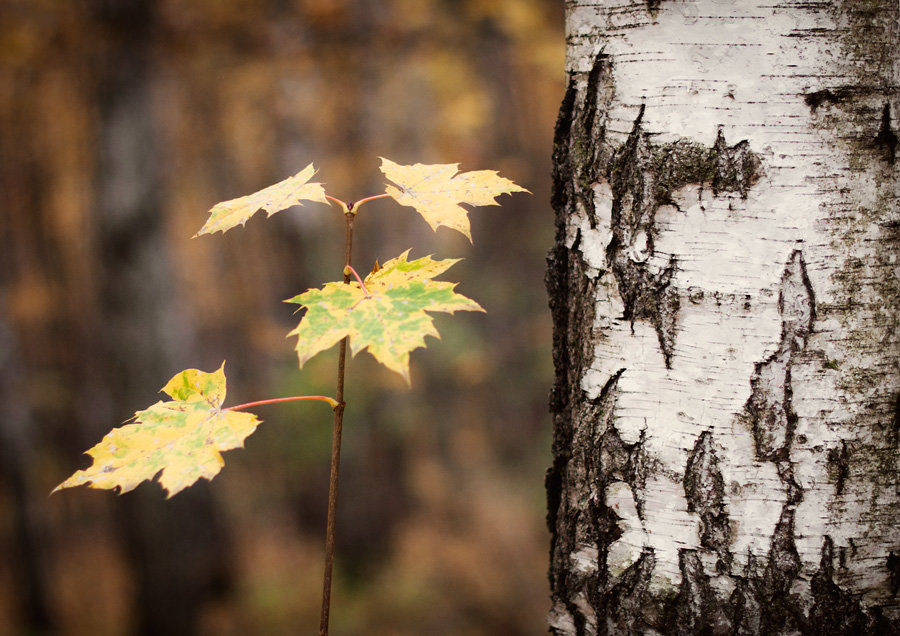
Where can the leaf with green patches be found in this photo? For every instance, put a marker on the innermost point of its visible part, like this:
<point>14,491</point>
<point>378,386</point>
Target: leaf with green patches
<point>179,440</point>
<point>436,191</point>
<point>387,317</point>
<point>284,194</point>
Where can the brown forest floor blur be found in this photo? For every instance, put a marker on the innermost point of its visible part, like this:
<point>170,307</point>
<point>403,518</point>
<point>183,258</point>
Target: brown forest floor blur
<point>121,123</point>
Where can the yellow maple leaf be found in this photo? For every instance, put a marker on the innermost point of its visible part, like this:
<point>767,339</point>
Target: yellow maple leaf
<point>284,194</point>
<point>387,317</point>
<point>436,191</point>
<point>180,440</point>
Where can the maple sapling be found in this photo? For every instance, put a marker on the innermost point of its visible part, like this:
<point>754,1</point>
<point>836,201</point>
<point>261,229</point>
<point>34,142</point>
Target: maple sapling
<point>179,441</point>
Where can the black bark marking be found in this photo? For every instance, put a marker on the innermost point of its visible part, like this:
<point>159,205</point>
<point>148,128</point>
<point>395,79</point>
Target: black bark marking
<point>784,560</point>
<point>625,601</point>
<point>845,94</point>
<point>572,353</point>
<point>609,459</point>
<point>601,461</point>
<point>796,301</point>
<point>588,151</point>
<point>879,624</point>
<point>596,457</point>
<point>704,489</point>
<point>785,469</point>
<point>833,611</point>
<point>736,166</point>
<point>582,470</point>
<point>893,566</point>
<point>561,188</point>
<point>829,96</point>
<point>644,176</point>
<point>886,139</point>
<point>781,569</point>
<point>769,407</point>
<point>744,605</point>
<point>773,421</point>
<point>695,609</point>
<point>838,466</point>
<point>636,471</point>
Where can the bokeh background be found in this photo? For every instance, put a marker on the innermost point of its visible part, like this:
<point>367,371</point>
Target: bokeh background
<point>121,123</point>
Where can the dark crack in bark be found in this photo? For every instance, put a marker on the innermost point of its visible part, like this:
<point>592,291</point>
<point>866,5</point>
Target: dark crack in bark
<point>744,604</point>
<point>597,457</point>
<point>834,611</point>
<point>838,466</point>
<point>893,566</point>
<point>629,607</point>
<point>594,465</point>
<point>605,458</point>
<point>620,461</point>
<point>644,176</point>
<point>588,151</point>
<point>704,489</point>
<point>769,407</point>
<point>695,609</point>
<point>834,95</point>
<point>591,455</point>
<point>886,139</point>
<point>736,166</point>
<point>773,421</point>
<point>572,353</point>
<point>782,567</point>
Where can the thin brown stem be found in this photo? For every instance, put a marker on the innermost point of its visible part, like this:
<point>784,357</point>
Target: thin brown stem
<point>296,398</point>
<point>336,448</point>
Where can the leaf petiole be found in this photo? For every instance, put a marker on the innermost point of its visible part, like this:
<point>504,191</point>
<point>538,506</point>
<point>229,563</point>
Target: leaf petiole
<point>344,207</point>
<point>349,270</point>
<point>356,204</point>
<point>353,206</point>
<point>322,398</point>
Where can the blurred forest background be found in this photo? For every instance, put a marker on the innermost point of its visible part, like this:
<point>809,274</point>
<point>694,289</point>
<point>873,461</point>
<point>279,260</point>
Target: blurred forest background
<point>121,123</point>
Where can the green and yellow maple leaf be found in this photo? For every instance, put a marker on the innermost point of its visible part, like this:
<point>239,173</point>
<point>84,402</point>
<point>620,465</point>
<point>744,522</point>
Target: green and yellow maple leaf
<point>284,194</point>
<point>436,191</point>
<point>179,440</point>
<point>387,317</point>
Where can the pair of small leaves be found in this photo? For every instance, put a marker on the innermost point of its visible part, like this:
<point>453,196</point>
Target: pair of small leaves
<point>435,191</point>
<point>180,440</point>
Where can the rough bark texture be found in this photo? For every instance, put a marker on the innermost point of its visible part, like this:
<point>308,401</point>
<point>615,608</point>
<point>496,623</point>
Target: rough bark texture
<point>725,299</point>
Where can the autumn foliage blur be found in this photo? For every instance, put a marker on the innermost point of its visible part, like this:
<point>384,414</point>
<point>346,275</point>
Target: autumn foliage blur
<point>121,123</point>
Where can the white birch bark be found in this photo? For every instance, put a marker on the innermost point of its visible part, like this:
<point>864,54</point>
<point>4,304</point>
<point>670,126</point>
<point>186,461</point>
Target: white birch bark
<point>725,296</point>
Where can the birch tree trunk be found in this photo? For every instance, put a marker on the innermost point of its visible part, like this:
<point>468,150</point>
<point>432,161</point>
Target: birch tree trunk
<point>725,295</point>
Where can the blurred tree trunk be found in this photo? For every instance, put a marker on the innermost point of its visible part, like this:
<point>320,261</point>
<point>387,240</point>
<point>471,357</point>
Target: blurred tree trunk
<point>725,295</point>
<point>17,453</point>
<point>177,547</point>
